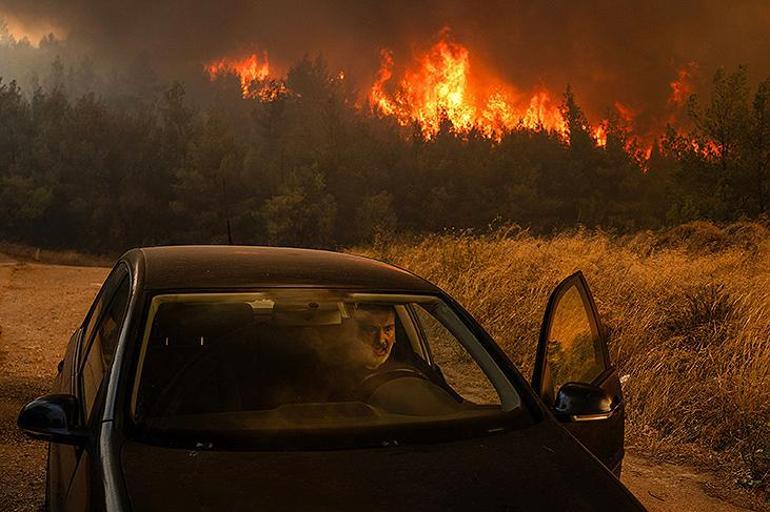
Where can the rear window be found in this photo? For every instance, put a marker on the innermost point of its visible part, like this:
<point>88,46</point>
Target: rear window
<point>311,360</point>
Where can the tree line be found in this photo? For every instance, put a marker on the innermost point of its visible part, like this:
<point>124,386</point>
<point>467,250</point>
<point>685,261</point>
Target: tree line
<point>196,163</point>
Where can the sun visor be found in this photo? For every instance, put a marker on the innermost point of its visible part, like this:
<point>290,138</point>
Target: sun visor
<point>309,313</point>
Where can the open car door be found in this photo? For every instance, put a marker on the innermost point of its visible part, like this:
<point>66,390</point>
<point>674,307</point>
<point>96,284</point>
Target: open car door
<point>574,375</point>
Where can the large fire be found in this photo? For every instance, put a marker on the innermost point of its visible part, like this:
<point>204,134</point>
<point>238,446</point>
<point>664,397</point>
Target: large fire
<point>438,89</point>
<point>441,89</point>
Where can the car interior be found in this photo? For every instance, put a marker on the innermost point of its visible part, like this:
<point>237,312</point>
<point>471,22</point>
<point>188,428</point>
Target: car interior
<point>220,358</point>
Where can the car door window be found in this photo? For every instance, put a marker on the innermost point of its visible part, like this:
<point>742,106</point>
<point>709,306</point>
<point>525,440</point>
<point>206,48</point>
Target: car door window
<point>97,309</point>
<point>101,350</point>
<point>457,366</point>
<point>575,352</point>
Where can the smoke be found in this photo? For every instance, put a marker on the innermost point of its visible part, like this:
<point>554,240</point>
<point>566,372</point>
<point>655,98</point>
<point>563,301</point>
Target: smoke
<point>607,50</point>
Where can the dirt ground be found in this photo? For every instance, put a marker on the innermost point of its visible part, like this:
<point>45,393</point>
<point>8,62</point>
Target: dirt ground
<point>40,306</point>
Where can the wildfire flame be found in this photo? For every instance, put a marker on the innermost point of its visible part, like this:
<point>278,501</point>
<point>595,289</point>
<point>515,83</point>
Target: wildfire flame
<point>600,135</point>
<point>436,90</point>
<point>378,97</point>
<point>625,112</point>
<point>439,87</point>
<point>681,88</point>
<point>543,112</point>
<point>249,70</point>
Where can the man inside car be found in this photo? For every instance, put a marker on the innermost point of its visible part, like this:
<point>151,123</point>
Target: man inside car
<point>375,335</point>
<point>387,379</point>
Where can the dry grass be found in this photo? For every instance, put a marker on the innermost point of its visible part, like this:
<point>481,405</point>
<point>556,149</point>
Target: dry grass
<point>688,311</point>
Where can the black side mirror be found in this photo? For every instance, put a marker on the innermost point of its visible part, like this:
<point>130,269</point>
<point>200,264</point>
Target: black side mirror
<point>54,418</point>
<point>577,401</point>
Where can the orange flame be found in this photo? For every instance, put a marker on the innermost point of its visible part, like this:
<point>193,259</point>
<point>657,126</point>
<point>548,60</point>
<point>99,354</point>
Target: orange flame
<point>543,113</point>
<point>436,90</point>
<point>249,69</point>
<point>600,135</point>
<point>439,88</point>
<point>625,112</point>
<point>681,88</point>
<point>378,97</point>
<point>496,117</point>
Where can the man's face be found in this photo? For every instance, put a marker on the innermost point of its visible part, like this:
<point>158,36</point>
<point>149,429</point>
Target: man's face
<point>376,333</point>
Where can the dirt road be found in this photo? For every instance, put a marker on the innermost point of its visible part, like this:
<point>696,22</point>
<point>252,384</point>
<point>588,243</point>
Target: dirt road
<point>40,306</point>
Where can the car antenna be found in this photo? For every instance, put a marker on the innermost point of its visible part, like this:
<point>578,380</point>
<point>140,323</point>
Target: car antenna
<point>227,211</point>
<point>229,233</point>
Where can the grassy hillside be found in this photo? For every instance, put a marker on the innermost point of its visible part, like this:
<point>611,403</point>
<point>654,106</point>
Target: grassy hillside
<point>688,311</point>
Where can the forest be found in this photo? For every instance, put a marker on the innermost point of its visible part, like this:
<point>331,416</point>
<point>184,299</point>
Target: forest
<point>311,166</point>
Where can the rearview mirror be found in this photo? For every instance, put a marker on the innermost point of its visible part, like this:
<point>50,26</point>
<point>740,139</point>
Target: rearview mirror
<point>54,418</point>
<point>577,401</point>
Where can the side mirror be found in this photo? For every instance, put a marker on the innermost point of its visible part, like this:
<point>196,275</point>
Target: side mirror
<point>577,401</point>
<point>54,418</point>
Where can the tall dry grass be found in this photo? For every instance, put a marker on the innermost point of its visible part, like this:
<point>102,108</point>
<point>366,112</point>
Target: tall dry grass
<point>688,312</point>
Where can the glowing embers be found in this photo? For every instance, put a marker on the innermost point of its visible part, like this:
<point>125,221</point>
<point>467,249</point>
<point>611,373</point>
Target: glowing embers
<point>439,87</point>
<point>253,73</point>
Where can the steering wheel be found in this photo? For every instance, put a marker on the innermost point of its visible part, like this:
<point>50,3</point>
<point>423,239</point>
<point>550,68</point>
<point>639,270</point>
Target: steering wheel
<point>372,382</point>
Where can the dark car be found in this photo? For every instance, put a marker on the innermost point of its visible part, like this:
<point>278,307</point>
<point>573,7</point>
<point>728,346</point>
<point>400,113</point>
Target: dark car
<point>246,378</point>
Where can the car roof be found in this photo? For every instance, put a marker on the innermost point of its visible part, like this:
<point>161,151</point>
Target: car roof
<point>233,267</point>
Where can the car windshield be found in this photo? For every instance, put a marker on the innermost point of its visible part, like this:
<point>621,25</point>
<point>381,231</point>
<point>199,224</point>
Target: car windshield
<point>310,360</point>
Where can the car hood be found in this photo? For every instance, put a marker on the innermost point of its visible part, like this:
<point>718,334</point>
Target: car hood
<point>539,467</point>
